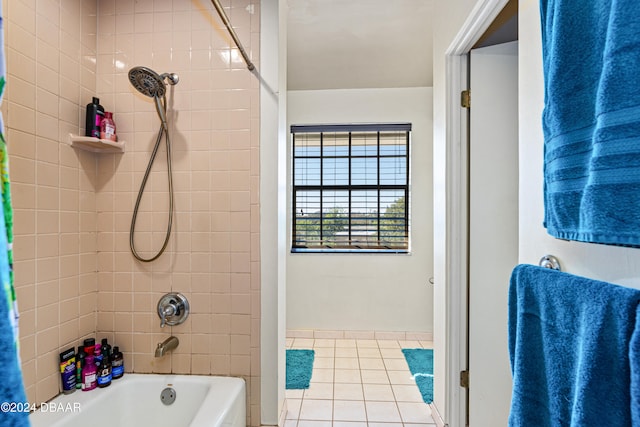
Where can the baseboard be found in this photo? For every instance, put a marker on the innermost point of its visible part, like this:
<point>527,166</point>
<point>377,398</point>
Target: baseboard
<point>361,335</point>
<point>435,414</point>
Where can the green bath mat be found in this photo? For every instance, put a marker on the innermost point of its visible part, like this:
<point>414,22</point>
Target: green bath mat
<point>299,368</point>
<point>420,363</point>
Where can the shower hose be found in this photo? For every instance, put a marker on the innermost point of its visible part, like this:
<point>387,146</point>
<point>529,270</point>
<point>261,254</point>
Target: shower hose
<point>161,108</point>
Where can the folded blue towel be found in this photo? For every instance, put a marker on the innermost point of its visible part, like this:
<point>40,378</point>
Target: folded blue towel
<point>591,120</point>
<point>569,342</point>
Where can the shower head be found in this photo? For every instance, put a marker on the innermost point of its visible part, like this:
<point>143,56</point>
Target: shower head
<point>149,83</point>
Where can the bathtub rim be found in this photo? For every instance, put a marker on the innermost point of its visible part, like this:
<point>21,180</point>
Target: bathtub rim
<point>234,390</point>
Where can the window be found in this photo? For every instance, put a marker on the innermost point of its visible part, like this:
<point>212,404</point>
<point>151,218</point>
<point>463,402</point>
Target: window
<point>351,187</point>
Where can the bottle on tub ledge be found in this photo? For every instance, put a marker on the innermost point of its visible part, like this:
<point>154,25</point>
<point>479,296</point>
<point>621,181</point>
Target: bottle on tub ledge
<point>104,367</point>
<point>89,374</point>
<point>117,364</point>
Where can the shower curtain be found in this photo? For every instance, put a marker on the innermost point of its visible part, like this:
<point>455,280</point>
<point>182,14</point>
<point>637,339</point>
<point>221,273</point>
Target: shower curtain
<point>11,385</point>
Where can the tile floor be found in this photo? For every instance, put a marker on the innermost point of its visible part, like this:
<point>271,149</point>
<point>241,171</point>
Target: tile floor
<point>358,383</point>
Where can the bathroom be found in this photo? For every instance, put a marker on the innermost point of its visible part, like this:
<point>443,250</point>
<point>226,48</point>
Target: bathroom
<point>74,273</point>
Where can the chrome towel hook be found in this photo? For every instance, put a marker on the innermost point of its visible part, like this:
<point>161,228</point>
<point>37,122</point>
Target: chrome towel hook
<point>549,261</point>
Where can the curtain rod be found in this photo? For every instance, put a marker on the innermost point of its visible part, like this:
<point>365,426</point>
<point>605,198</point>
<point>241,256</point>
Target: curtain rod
<point>234,36</point>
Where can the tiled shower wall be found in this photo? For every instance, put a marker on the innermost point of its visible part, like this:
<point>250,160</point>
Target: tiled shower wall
<point>213,255</point>
<point>50,73</point>
<point>75,274</point>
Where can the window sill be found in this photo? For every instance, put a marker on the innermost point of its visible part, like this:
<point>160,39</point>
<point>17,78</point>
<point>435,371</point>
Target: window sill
<point>350,251</point>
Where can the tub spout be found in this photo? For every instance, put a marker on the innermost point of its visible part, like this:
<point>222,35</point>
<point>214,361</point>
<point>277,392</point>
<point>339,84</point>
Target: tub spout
<point>166,346</point>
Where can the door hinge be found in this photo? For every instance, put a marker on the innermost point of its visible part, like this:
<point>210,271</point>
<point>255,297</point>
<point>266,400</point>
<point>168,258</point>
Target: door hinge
<point>464,379</point>
<point>465,99</point>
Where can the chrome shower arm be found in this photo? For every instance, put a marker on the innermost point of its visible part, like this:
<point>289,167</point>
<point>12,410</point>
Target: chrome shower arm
<point>232,33</point>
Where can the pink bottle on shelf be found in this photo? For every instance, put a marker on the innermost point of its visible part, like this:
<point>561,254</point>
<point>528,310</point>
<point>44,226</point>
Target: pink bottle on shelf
<point>108,127</point>
<point>89,374</point>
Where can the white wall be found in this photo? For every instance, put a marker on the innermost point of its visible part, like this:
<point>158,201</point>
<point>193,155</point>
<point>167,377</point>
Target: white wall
<point>375,292</point>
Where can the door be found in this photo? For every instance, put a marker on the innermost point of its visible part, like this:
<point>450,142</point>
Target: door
<point>493,227</point>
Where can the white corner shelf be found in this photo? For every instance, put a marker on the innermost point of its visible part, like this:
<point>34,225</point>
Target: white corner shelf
<point>95,145</point>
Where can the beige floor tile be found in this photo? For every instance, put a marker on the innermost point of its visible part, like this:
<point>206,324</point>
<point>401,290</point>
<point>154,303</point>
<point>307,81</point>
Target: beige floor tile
<point>314,423</point>
<point>407,393</point>
<point>347,376</point>
<point>346,352</point>
<point>379,392</point>
<point>400,377</point>
<point>349,410</point>
<point>293,394</point>
<point>346,343</point>
<point>323,362</point>
<point>369,352</point>
<point>321,375</point>
<point>396,364</point>
<point>312,409</point>
<point>392,353</point>
<point>376,376</point>
<point>382,412</point>
<point>364,343</point>
<point>324,351</point>
<point>319,391</point>
<point>347,391</point>
<point>346,363</point>
<point>350,424</point>
<point>388,344</point>
<point>303,343</point>
<point>358,382</point>
<point>367,363</point>
<point>415,412</point>
<point>324,342</point>
<point>291,423</point>
<point>293,409</point>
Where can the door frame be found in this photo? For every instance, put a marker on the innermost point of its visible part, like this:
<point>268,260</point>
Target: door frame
<point>455,352</point>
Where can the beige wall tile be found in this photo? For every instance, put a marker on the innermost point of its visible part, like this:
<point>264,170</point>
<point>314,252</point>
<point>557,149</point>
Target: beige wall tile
<point>74,272</point>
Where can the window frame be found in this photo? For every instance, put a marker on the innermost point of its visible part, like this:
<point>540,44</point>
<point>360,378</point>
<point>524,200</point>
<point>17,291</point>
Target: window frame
<point>374,128</point>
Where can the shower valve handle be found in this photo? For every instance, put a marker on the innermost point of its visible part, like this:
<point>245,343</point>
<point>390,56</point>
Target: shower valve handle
<point>173,309</point>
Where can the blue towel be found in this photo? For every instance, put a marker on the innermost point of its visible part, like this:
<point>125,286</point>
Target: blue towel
<point>569,342</point>
<point>591,120</point>
<point>634,358</point>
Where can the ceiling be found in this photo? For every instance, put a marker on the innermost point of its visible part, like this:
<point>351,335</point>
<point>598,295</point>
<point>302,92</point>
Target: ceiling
<point>349,44</point>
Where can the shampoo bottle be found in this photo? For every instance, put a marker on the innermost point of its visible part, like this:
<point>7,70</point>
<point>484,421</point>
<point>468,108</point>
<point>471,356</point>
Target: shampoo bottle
<point>117,364</point>
<point>95,113</point>
<point>79,365</point>
<point>89,374</point>
<point>104,371</point>
<point>68,370</point>
<point>108,127</point>
<point>106,347</point>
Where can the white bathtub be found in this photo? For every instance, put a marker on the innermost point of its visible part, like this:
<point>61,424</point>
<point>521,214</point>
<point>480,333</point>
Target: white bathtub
<point>134,400</point>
